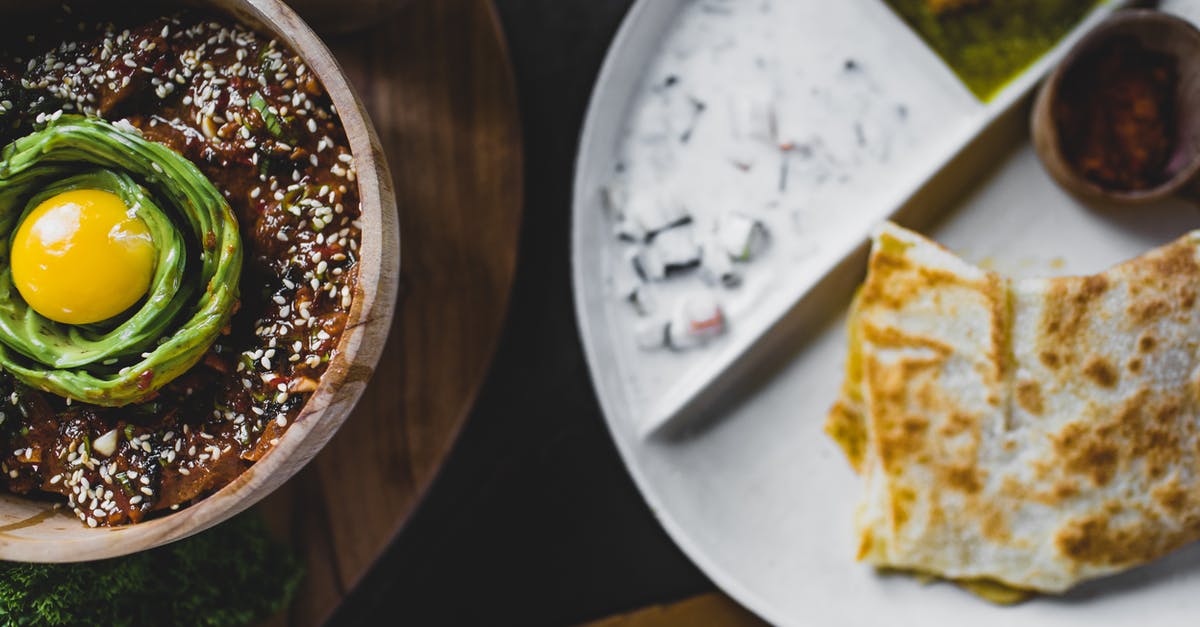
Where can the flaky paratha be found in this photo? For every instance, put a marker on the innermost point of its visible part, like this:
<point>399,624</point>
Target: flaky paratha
<point>1034,433</point>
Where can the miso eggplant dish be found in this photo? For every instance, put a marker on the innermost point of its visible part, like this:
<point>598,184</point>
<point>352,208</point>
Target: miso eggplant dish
<point>179,219</point>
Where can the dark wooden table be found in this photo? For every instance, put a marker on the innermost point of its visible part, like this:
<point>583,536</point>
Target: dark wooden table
<point>534,519</point>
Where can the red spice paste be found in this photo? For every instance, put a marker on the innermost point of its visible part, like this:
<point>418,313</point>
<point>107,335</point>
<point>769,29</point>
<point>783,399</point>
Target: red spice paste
<point>1116,115</point>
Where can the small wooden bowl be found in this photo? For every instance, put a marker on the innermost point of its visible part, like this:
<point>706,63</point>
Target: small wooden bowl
<point>1156,31</point>
<point>34,531</point>
<point>343,16</point>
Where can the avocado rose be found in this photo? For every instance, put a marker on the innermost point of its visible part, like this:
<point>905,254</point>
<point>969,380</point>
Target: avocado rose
<point>192,272</point>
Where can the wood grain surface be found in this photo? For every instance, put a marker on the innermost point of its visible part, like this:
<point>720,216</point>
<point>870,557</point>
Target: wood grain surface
<point>436,80</point>
<point>713,610</point>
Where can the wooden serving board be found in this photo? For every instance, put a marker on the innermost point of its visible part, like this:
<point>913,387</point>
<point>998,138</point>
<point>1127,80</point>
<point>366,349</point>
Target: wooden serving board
<point>437,82</point>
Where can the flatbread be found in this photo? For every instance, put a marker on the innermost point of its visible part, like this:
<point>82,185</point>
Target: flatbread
<point>1034,433</point>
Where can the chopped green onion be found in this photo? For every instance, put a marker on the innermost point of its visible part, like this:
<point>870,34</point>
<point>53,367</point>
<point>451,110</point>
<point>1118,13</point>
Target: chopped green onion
<point>274,124</point>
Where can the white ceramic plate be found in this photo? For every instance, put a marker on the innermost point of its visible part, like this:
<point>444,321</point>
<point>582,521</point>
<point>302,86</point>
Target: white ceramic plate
<point>747,484</point>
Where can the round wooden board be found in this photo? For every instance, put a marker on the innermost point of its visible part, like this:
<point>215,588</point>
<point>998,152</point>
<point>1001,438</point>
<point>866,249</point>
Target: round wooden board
<point>437,82</point>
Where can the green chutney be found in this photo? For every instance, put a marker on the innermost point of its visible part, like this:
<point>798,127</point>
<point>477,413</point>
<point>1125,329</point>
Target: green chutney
<point>989,43</point>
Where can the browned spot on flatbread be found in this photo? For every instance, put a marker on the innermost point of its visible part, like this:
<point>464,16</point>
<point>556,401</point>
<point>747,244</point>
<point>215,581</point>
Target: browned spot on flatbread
<point>1068,302</point>
<point>1178,259</point>
<point>1165,414</point>
<point>1156,441</point>
<point>957,424</point>
<point>1085,453</point>
<point>1097,540</point>
<point>847,427</point>
<point>1187,298</point>
<point>1150,432</point>
<point>1064,490</point>
<point>900,440</point>
<point>1100,460</point>
<point>893,279</point>
<point>1148,311</point>
<point>1017,490</point>
<point>902,503</point>
<point>1068,305</point>
<point>901,433</point>
<point>937,515</point>
<point>891,337</point>
<point>1147,343</point>
<point>1101,372</point>
<point>865,544</point>
<point>927,393</point>
<point>963,478</point>
<point>1029,397</point>
<point>1144,429</point>
<point>1135,365</point>
<point>1172,497</point>
<point>995,525</point>
<point>882,264</point>
<point>1093,287</point>
<point>1089,540</point>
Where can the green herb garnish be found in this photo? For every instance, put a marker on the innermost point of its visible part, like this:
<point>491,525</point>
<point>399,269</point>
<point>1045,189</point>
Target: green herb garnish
<point>274,124</point>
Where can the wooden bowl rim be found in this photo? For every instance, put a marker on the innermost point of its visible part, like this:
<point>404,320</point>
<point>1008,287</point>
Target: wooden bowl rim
<point>1045,134</point>
<point>43,537</point>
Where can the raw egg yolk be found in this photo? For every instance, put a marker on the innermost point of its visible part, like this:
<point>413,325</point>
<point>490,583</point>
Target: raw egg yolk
<point>82,256</point>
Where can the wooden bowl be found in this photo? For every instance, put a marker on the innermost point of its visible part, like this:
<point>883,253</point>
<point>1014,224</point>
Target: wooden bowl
<point>343,16</point>
<point>34,531</point>
<point>1156,31</point>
